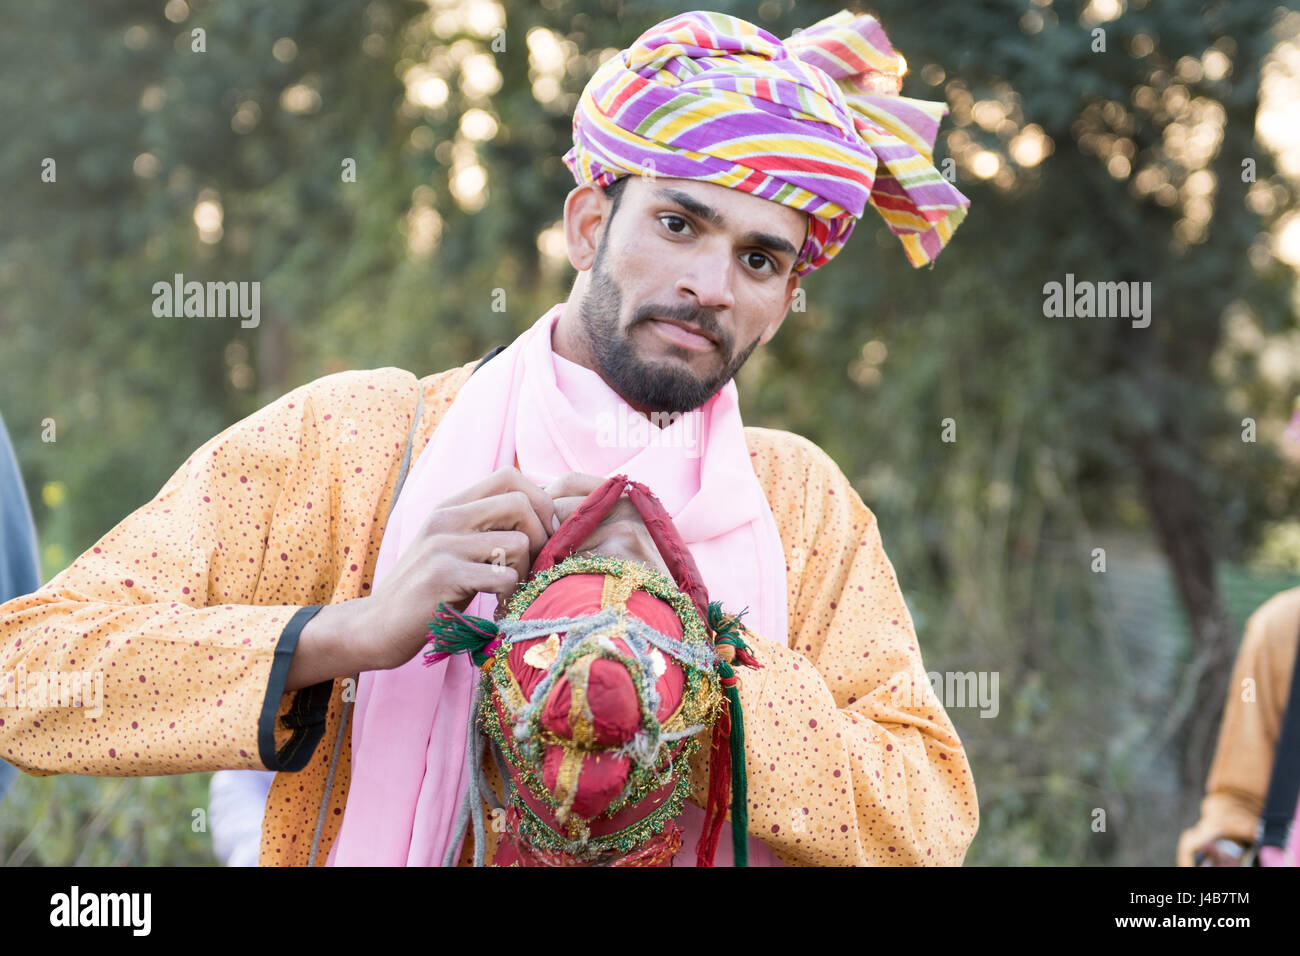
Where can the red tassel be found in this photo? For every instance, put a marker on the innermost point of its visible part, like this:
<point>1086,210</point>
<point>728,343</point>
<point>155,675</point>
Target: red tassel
<point>715,810</point>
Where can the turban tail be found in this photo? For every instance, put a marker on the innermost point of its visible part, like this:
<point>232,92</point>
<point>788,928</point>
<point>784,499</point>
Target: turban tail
<point>814,122</point>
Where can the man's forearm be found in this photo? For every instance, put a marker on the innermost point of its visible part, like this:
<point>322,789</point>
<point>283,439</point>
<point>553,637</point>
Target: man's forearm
<point>328,647</point>
<point>110,689</point>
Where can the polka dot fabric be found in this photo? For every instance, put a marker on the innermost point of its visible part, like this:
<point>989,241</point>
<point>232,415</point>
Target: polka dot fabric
<point>850,756</point>
<point>183,605</point>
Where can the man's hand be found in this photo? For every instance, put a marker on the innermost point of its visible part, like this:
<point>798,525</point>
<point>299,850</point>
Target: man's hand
<point>483,539</point>
<point>622,533</point>
<point>1219,852</point>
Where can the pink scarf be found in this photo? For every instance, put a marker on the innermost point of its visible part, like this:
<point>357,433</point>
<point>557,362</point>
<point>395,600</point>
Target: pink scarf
<point>409,759</point>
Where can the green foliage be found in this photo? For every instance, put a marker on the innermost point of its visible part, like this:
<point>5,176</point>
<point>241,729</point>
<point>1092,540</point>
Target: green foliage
<point>83,821</point>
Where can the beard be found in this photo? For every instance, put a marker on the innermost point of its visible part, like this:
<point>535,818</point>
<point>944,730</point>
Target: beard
<point>656,386</point>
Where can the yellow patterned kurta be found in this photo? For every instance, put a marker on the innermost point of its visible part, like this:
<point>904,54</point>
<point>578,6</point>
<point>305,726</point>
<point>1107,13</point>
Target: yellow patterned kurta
<point>191,607</point>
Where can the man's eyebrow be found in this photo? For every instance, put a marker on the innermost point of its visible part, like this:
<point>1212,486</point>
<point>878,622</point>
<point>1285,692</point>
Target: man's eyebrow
<point>764,240</point>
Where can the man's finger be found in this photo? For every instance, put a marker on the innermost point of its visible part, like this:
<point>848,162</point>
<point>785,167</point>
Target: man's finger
<point>565,507</point>
<point>623,509</point>
<point>502,549</point>
<point>503,481</point>
<point>509,511</point>
<point>574,483</point>
<point>500,580</point>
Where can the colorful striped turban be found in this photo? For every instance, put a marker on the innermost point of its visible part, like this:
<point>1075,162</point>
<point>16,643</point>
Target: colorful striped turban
<point>814,122</point>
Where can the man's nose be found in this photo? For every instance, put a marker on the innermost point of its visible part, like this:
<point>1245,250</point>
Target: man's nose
<point>710,276</point>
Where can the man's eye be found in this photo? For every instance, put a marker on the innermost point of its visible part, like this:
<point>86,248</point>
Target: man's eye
<point>675,219</point>
<point>766,259</point>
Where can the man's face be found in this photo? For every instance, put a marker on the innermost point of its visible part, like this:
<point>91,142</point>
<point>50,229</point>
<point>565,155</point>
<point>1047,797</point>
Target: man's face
<point>716,260</point>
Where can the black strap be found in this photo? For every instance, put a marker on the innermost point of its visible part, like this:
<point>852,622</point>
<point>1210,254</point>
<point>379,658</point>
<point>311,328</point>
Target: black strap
<point>484,361</point>
<point>1284,784</point>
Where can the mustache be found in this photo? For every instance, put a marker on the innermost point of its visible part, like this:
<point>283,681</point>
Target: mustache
<point>701,320</point>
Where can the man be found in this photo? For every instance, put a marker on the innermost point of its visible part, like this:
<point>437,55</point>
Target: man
<point>312,541</point>
<point>1249,737</point>
<point>236,805</point>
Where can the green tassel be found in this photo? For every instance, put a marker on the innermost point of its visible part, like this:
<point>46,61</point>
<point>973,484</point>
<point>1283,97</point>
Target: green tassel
<point>727,629</point>
<point>451,632</point>
<point>723,625</point>
<point>739,780</point>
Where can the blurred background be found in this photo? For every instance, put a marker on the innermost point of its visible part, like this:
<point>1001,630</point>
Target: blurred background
<point>1171,155</point>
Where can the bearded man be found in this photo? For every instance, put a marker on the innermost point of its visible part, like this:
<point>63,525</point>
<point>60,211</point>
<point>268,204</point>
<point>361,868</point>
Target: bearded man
<point>267,609</point>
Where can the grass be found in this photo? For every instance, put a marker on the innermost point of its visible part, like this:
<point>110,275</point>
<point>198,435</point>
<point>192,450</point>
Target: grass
<point>66,820</point>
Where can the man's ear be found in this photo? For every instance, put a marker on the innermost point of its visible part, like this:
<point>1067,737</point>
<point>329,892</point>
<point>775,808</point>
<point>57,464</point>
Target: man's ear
<point>791,288</point>
<point>586,211</point>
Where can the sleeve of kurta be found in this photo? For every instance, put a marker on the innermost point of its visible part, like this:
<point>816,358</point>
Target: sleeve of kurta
<point>1252,722</point>
<point>851,759</point>
<point>165,647</point>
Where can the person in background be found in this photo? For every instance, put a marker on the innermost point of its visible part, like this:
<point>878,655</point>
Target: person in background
<point>236,803</point>
<point>1248,738</point>
<point>20,568</point>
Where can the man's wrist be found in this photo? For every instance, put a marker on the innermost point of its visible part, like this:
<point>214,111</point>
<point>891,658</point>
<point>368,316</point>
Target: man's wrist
<point>327,647</point>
